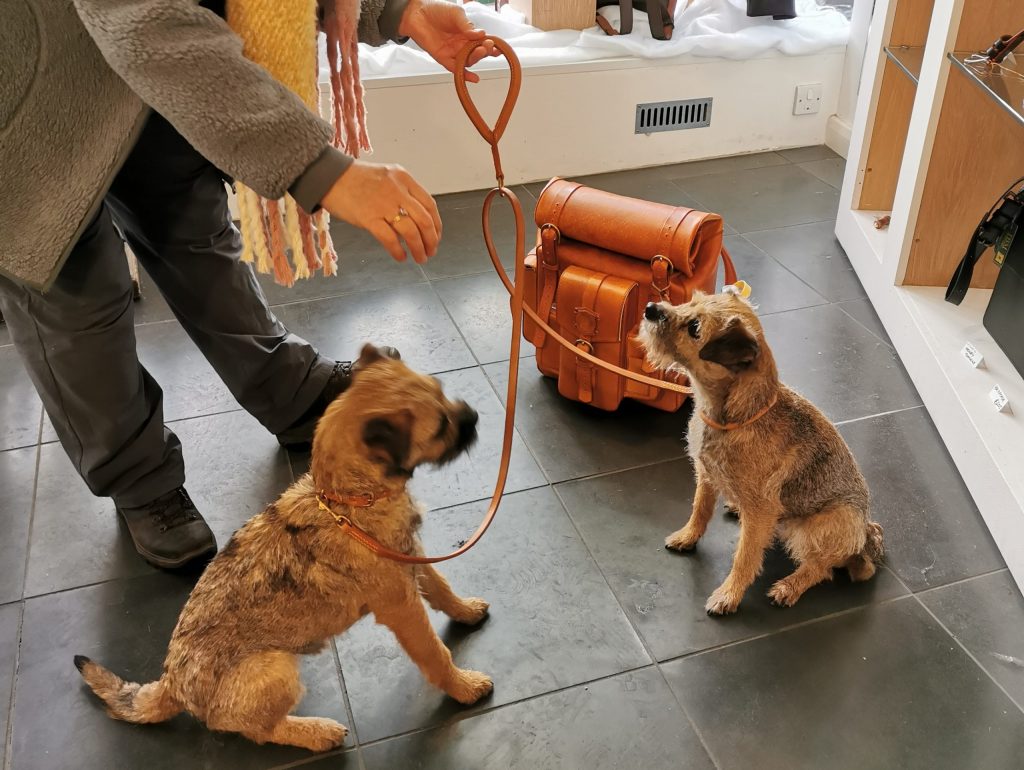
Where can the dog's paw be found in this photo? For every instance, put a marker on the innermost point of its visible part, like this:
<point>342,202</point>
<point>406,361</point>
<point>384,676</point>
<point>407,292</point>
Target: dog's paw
<point>326,734</point>
<point>723,602</point>
<point>681,540</point>
<point>782,594</point>
<point>470,686</point>
<point>472,611</point>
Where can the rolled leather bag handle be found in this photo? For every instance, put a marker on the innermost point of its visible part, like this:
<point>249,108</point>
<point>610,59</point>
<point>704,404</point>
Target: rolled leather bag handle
<point>641,229</point>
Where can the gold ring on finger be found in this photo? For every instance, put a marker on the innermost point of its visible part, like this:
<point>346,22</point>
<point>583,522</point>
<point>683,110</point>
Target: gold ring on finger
<point>398,217</point>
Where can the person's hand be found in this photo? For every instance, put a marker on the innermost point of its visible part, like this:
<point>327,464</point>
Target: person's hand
<point>386,201</point>
<point>442,30</point>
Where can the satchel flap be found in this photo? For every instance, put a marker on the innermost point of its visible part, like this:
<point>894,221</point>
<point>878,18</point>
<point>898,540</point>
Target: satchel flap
<point>629,226</point>
<point>593,306</point>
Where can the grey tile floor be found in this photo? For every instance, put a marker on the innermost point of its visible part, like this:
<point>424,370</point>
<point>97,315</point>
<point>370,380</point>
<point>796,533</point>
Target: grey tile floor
<point>598,643</point>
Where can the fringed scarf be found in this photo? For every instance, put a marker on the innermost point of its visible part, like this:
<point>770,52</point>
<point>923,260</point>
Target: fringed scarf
<point>281,36</point>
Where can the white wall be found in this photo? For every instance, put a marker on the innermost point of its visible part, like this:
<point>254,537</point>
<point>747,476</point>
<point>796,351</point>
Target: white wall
<point>579,119</point>
<point>838,135</point>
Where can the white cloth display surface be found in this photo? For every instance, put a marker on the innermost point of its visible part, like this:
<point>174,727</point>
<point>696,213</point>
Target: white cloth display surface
<point>711,28</point>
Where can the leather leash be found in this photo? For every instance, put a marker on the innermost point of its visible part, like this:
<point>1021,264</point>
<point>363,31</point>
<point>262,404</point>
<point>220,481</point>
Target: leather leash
<point>518,308</point>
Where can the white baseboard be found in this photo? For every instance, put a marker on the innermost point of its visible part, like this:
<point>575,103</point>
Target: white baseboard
<point>837,135</point>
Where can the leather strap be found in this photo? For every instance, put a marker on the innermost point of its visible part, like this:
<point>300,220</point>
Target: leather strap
<point>548,267</point>
<point>660,18</point>
<point>736,425</point>
<point>518,306</point>
<point>1007,213</point>
<point>587,319</point>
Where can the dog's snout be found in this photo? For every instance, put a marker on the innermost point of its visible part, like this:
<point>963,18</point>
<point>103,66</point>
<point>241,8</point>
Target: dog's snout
<point>654,312</point>
<point>466,419</point>
<point>467,415</point>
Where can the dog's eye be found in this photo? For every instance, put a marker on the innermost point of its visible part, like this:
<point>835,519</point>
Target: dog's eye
<point>693,328</point>
<point>443,427</point>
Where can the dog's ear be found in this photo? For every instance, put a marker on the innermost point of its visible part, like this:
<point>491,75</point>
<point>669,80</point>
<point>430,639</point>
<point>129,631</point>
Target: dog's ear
<point>388,439</point>
<point>734,347</point>
<point>369,355</point>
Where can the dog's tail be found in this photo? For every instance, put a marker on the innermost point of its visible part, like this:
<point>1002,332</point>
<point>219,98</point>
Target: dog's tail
<point>873,547</point>
<point>128,701</point>
<point>862,566</point>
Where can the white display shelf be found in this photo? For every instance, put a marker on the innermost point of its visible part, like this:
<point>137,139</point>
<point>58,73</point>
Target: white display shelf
<point>940,145</point>
<point>987,445</point>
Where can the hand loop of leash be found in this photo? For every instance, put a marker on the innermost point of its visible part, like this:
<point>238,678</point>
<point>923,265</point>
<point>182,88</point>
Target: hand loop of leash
<point>518,307</point>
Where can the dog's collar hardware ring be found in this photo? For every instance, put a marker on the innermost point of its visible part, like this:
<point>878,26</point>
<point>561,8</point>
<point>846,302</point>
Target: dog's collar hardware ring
<point>737,425</point>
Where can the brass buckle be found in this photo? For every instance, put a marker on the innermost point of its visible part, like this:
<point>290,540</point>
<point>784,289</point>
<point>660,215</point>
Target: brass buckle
<point>550,226</point>
<point>585,344</point>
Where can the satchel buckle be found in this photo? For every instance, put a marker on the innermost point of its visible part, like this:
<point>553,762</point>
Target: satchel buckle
<point>585,346</point>
<point>660,262</point>
<point>550,226</point>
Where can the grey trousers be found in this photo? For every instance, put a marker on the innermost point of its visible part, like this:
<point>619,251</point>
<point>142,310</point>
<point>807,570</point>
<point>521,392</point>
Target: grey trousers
<point>78,339</point>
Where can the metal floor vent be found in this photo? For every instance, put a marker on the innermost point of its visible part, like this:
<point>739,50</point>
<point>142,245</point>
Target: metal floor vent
<point>673,116</point>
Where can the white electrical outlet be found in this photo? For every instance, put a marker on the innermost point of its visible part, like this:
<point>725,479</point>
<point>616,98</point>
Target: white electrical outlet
<point>808,99</point>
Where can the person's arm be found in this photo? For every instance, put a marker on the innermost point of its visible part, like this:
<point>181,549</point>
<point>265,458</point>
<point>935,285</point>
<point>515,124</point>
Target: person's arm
<point>186,63</point>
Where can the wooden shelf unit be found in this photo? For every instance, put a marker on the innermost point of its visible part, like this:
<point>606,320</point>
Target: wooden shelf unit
<point>892,110</point>
<point>935,143</point>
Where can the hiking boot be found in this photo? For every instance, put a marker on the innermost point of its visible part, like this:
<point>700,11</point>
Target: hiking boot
<point>169,532</point>
<point>299,437</point>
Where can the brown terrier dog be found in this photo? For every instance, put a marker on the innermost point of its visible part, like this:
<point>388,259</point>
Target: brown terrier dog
<point>765,448</point>
<point>290,578</point>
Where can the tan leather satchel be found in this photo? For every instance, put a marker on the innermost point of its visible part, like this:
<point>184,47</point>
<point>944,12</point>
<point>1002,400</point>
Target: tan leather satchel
<point>600,258</point>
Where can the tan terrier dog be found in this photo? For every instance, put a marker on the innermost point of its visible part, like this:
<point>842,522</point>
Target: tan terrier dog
<point>290,578</point>
<point>768,450</point>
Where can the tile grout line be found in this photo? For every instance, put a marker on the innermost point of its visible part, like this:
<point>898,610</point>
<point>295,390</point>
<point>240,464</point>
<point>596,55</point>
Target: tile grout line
<point>927,609</point>
<point>862,324</point>
<point>951,635</point>
<point>31,519</point>
<point>347,701</point>
<point>504,408</point>
<point>798,278</point>
<point>467,715</point>
<point>9,732</point>
<point>853,420</point>
<point>792,627</point>
<point>640,637</point>
<point>9,736</point>
<point>455,325</point>
<point>961,581</point>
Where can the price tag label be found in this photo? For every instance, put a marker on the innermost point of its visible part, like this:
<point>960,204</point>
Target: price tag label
<point>999,399</point>
<point>1004,244</point>
<point>973,356</point>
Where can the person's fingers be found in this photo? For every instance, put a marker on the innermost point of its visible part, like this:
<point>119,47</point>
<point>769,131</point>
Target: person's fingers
<point>425,224</point>
<point>423,198</point>
<point>406,227</point>
<point>387,238</point>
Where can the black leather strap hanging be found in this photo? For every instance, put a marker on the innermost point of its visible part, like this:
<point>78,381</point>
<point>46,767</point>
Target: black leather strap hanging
<point>1008,213</point>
